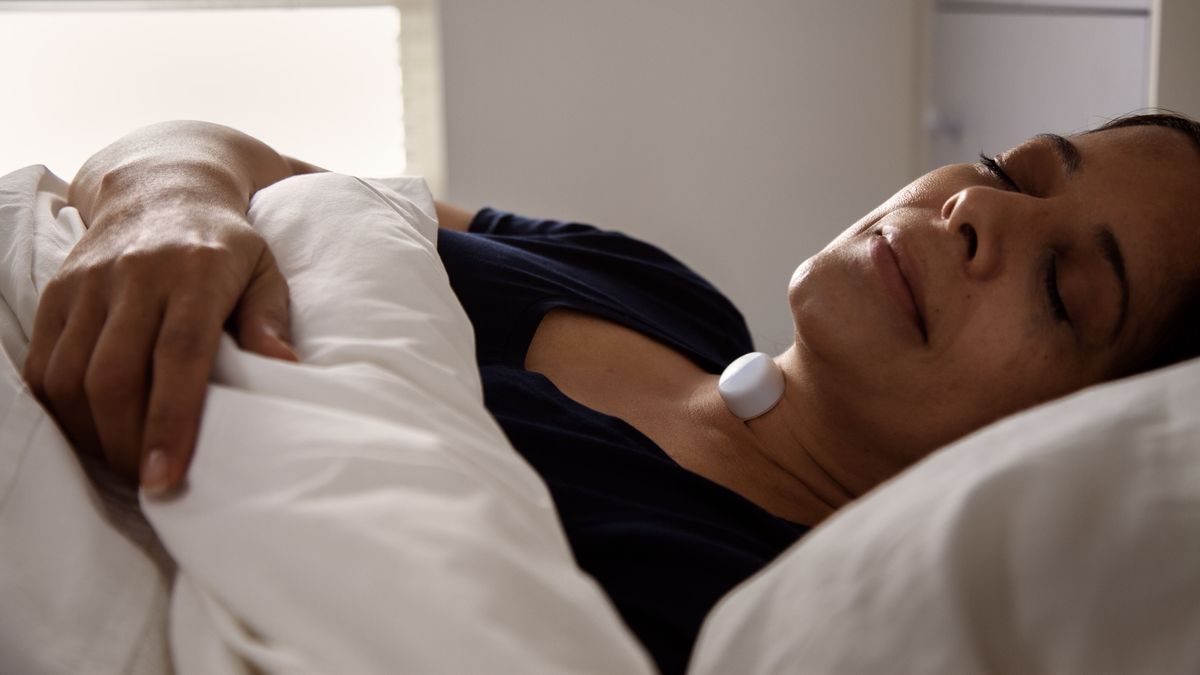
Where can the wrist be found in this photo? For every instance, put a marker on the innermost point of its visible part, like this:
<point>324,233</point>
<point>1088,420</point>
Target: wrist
<point>199,160</point>
<point>134,187</point>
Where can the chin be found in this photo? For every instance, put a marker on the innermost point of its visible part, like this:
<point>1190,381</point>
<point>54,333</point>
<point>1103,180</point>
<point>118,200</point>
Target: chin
<point>799,277</point>
<point>844,325</point>
<point>825,321</point>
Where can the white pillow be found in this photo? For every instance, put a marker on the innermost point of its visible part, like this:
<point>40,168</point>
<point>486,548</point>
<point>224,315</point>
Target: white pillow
<point>1062,540</point>
<point>359,512</point>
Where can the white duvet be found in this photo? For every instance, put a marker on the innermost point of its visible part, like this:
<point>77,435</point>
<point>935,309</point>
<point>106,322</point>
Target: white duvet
<point>357,513</point>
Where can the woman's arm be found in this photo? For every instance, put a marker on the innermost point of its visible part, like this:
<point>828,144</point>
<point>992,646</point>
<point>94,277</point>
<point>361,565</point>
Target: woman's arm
<point>126,332</point>
<point>223,165</point>
<point>452,217</point>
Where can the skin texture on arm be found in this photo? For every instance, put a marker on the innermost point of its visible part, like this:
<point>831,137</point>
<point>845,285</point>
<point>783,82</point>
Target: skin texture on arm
<point>453,218</point>
<point>126,332</point>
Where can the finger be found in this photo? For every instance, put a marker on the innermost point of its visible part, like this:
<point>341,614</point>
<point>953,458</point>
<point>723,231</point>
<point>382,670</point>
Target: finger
<point>48,325</point>
<point>65,372</point>
<point>263,317</point>
<point>117,380</point>
<point>182,362</point>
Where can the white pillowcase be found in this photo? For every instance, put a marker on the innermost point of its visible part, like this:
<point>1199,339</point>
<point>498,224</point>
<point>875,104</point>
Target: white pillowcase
<point>358,512</point>
<point>1062,540</point>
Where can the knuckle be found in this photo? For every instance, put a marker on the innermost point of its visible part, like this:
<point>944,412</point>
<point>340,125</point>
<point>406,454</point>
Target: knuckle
<point>205,255</point>
<point>129,260</point>
<point>62,386</point>
<point>201,266</point>
<point>56,291</point>
<point>106,385</point>
<point>62,291</point>
<point>180,343</point>
<point>137,263</point>
<point>191,264</point>
<point>245,235</point>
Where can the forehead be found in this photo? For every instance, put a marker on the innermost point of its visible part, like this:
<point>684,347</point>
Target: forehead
<point>1144,183</point>
<point>1152,153</point>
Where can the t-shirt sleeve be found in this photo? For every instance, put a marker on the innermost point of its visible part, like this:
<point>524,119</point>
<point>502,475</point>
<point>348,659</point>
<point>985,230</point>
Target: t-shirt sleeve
<point>491,221</point>
<point>509,271</point>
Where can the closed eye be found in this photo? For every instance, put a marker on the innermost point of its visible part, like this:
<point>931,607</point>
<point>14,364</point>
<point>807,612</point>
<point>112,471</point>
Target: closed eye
<point>993,167</point>
<point>1058,308</point>
<point>1050,280</point>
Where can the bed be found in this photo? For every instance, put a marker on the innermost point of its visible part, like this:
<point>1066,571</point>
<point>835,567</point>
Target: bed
<point>360,512</point>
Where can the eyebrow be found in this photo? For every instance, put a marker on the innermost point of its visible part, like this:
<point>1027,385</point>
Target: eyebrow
<point>1068,153</point>
<point>1111,251</point>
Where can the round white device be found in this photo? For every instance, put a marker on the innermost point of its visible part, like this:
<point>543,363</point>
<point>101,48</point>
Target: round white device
<point>751,385</point>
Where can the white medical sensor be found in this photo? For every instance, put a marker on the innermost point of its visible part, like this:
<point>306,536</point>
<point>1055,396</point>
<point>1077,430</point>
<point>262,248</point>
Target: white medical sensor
<point>751,385</point>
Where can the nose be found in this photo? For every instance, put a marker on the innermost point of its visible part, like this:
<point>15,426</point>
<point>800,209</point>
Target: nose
<point>980,218</point>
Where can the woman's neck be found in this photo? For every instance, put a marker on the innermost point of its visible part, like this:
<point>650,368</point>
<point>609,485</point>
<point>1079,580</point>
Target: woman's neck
<point>785,460</point>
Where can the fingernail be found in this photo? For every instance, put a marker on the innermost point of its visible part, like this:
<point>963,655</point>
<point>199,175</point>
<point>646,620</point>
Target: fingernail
<point>289,351</point>
<point>155,473</point>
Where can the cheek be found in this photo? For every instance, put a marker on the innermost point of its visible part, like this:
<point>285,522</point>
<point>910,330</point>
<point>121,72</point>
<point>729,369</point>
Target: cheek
<point>998,368</point>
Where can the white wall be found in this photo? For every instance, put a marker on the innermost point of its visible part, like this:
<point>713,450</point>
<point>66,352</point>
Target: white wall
<point>1176,56</point>
<point>741,135</point>
<point>1061,72</point>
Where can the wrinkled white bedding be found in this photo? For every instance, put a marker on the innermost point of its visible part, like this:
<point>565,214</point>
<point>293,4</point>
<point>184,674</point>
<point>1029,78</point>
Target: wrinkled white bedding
<point>360,512</point>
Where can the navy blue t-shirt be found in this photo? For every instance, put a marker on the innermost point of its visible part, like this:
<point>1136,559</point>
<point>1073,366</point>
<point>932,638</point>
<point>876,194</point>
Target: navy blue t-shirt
<point>663,542</point>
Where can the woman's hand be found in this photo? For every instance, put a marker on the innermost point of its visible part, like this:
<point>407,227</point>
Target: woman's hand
<point>126,332</point>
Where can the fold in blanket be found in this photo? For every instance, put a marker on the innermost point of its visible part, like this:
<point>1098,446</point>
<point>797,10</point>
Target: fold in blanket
<point>357,512</point>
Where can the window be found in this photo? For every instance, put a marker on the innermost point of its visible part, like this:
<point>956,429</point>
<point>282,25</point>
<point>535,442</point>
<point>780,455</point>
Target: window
<point>349,86</point>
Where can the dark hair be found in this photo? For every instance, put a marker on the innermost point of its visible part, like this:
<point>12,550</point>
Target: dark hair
<point>1178,338</point>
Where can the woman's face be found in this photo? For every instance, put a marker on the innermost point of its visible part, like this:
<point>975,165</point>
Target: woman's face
<point>969,295</point>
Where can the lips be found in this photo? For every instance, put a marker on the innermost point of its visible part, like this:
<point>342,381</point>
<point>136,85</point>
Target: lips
<point>896,269</point>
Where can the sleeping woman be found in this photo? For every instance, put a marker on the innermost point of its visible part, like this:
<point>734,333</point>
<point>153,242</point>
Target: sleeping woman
<point>976,291</point>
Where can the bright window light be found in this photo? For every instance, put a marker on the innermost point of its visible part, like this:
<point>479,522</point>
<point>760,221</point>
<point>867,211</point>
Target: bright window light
<point>319,83</point>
